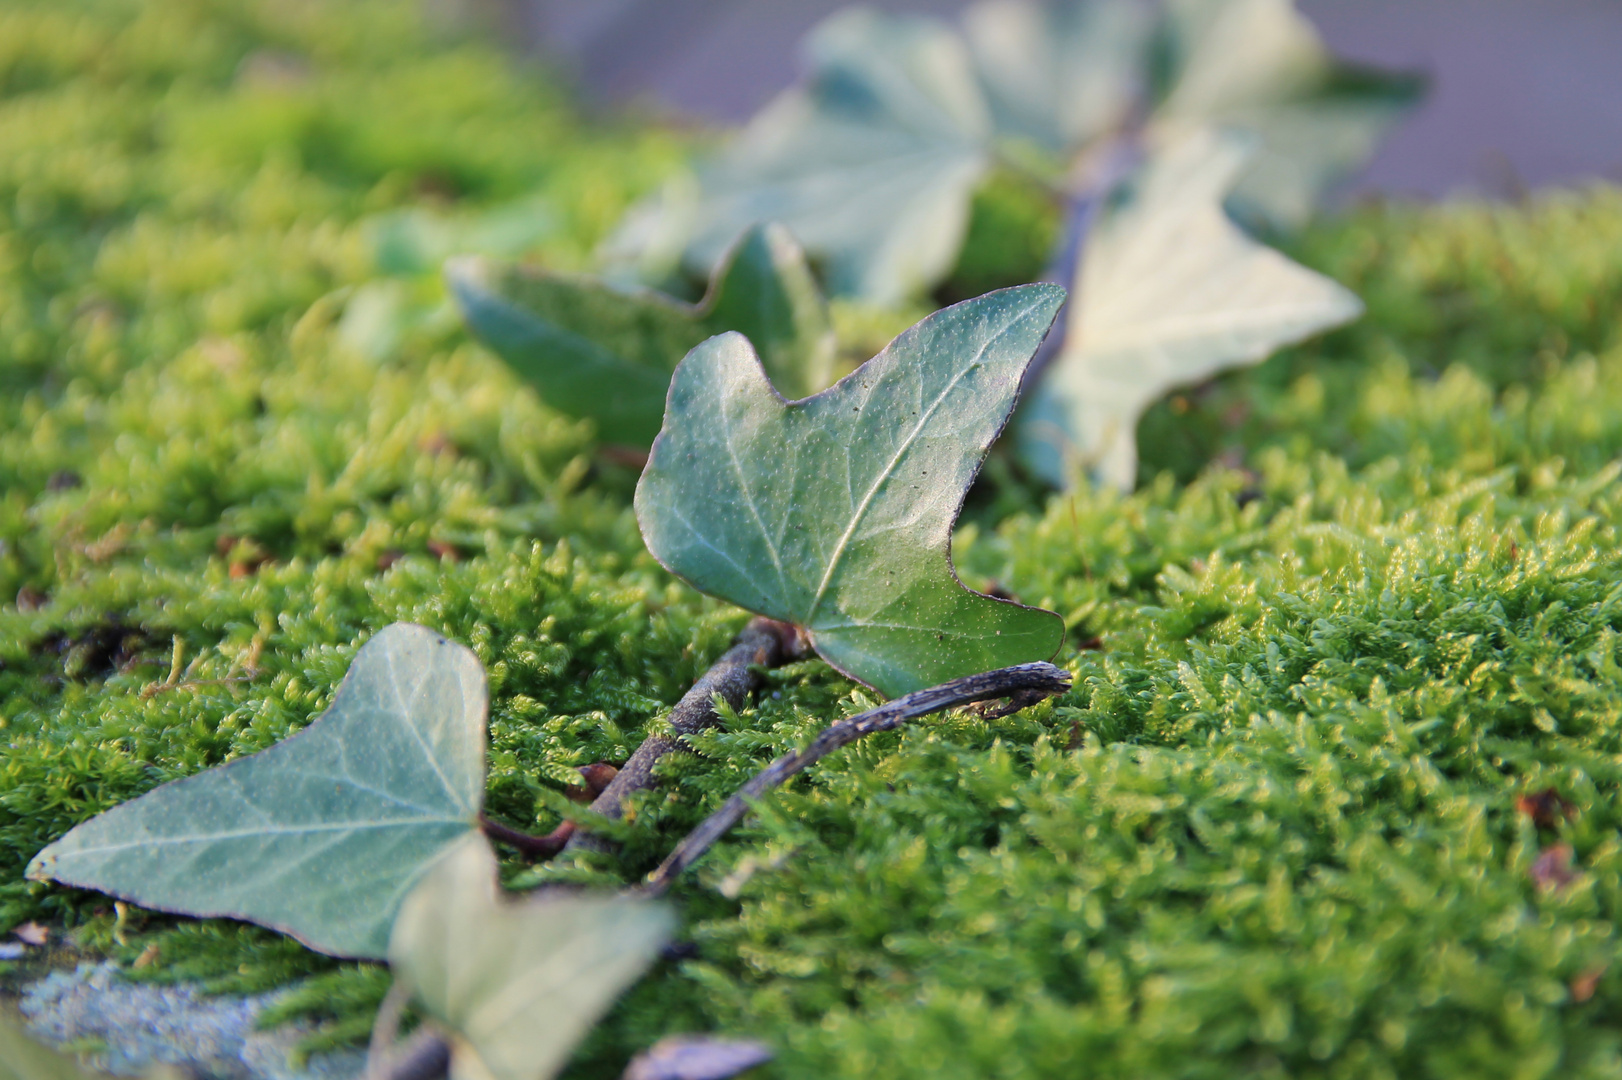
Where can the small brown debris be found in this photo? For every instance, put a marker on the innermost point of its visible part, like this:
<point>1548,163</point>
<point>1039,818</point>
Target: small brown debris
<point>63,480</point>
<point>598,776</point>
<point>388,558</point>
<point>111,543</point>
<point>148,957</point>
<point>1546,808</point>
<point>32,933</point>
<point>1552,871</point>
<point>629,457</point>
<point>436,443</point>
<point>1584,985</point>
<point>444,550</point>
<point>31,599</point>
<point>1091,644</point>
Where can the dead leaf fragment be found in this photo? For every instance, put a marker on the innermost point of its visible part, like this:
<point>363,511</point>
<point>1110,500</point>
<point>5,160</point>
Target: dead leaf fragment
<point>597,776</point>
<point>1584,985</point>
<point>1552,871</point>
<point>1546,808</point>
<point>444,551</point>
<point>32,933</point>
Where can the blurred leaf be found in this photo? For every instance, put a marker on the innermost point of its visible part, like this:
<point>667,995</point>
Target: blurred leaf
<point>871,163</point>
<point>1059,74</point>
<point>1170,292</point>
<point>1260,66</point>
<point>835,513</point>
<point>697,1057</point>
<point>418,241</point>
<point>517,984</point>
<point>595,350</point>
<point>22,1058</point>
<point>322,835</point>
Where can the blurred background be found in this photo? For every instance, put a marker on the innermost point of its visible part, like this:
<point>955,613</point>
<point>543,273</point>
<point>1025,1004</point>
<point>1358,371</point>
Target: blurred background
<point>1524,93</point>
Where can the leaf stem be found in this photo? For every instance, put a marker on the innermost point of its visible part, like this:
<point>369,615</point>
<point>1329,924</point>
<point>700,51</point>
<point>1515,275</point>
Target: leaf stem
<point>1023,684</point>
<point>764,643</point>
<point>426,1056</point>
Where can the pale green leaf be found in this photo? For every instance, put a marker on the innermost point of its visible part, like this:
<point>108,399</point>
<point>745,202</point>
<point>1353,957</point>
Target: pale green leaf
<point>1259,66</point>
<point>22,1058</point>
<point>517,983</point>
<point>835,513</point>
<point>596,350</point>
<point>1057,73</point>
<point>871,163</point>
<point>1170,292</point>
<point>322,835</point>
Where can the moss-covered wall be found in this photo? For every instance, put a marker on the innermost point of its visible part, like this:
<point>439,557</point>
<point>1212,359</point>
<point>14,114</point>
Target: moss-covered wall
<point>1368,598</point>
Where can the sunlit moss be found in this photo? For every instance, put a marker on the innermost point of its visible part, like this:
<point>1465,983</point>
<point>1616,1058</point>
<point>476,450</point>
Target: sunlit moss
<point>1368,596</point>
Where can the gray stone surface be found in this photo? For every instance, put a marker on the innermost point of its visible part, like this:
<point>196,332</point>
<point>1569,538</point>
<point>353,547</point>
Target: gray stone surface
<point>134,1025</point>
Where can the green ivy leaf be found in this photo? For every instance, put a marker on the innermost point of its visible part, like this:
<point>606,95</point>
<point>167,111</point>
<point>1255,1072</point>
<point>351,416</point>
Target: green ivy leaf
<point>517,984</point>
<point>871,163</point>
<point>1259,66</point>
<point>1170,292</point>
<point>594,350</point>
<point>322,835</point>
<point>835,513</point>
<point>1059,75</point>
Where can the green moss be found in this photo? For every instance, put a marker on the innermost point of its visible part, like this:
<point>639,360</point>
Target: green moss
<point>1368,596</point>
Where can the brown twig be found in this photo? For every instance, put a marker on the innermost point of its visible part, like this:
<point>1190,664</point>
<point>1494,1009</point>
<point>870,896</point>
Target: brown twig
<point>535,847</point>
<point>1023,685</point>
<point>425,1056</point>
<point>764,643</point>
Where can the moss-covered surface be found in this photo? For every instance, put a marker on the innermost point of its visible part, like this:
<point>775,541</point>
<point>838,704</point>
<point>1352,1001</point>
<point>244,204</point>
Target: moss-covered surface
<point>1367,600</point>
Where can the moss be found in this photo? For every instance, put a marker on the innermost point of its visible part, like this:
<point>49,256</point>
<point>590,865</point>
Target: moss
<point>1367,598</point>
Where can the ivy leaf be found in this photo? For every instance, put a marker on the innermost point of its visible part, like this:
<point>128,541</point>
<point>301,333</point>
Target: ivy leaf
<point>517,983</point>
<point>835,513</point>
<point>1059,74</point>
<point>1260,66</point>
<point>594,350</point>
<point>1170,292</point>
<point>871,163</point>
<point>417,241</point>
<point>322,835</point>
<point>21,1058</point>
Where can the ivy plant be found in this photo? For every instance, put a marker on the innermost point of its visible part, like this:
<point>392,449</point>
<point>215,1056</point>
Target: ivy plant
<point>835,513</point>
<point>1170,292</point>
<point>322,835</point>
<point>516,983</point>
<point>605,352</point>
<point>362,834</point>
<point>874,159</point>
